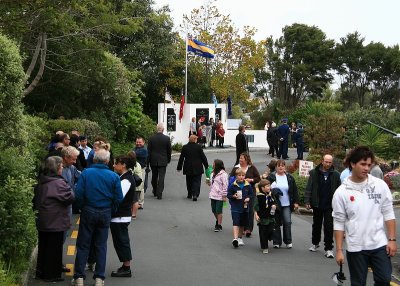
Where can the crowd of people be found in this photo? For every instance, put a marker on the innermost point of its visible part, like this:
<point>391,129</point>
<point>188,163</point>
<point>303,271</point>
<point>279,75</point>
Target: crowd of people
<point>107,193</point>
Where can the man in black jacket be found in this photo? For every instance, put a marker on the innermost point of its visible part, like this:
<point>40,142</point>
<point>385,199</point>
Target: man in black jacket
<point>159,155</point>
<point>192,158</point>
<point>321,185</point>
<point>241,143</point>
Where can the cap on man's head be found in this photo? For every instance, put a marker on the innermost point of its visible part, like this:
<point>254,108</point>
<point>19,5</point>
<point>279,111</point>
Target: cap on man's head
<point>284,120</point>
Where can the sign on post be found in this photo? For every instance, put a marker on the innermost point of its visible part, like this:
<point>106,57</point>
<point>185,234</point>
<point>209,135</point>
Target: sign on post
<point>305,167</point>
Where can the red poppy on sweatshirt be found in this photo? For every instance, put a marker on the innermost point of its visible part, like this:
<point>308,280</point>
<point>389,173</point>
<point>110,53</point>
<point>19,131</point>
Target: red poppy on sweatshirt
<point>352,198</point>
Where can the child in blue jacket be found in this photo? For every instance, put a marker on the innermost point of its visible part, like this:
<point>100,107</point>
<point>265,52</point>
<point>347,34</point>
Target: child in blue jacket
<point>239,194</point>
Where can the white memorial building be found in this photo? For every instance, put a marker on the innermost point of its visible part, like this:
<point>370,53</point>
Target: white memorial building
<point>178,130</point>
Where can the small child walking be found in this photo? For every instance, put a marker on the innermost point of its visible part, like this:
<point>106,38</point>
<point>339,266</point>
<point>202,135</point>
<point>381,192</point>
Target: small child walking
<point>239,195</point>
<point>218,191</point>
<point>265,206</point>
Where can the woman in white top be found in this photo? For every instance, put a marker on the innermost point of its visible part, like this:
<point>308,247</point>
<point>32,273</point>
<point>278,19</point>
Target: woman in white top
<point>289,201</point>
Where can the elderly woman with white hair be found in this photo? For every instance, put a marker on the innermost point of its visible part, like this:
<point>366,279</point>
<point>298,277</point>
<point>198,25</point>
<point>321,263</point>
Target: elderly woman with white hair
<point>52,201</point>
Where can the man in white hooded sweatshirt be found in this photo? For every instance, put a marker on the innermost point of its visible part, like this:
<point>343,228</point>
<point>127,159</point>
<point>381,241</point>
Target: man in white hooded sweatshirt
<point>362,206</point>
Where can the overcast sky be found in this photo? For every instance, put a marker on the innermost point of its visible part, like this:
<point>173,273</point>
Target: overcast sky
<point>376,20</point>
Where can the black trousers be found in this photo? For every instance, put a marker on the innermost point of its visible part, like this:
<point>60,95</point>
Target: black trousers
<point>157,178</point>
<point>121,241</point>
<point>325,217</point>
<point>193,184</point>
<point>50,251</point>
<point>274,150</point>
<point>265,233</point>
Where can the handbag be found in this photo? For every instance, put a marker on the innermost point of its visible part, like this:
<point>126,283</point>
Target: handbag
<point>138,180</point>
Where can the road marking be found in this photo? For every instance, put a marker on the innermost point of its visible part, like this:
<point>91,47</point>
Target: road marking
<point>71,250</point>
<point>70,266</point>
<point>393,284</point>
<point>74,234</point>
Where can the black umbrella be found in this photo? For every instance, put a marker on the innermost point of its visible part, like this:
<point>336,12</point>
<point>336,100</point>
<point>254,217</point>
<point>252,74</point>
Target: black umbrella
<point>146,178</point>
<point>339,277</point>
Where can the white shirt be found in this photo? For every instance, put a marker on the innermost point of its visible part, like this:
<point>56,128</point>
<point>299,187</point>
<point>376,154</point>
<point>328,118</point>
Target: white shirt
<point>282,184</point>
<point>86,151</point>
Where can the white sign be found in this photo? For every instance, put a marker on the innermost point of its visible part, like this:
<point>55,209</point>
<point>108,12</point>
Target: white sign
<point>305,167</point>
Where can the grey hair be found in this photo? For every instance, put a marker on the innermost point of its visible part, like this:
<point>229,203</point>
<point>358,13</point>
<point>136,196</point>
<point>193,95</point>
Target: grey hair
<point>160,127</point>
<point>69,151</point>
<point>51,165</point>
<point>101,156</point>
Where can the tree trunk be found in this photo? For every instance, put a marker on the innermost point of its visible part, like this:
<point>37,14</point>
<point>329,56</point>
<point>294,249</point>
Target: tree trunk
<point>39,74</point>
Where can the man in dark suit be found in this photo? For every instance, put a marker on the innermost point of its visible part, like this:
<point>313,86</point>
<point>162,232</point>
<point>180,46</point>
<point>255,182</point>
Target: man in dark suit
<point>159,155</point>
<point>192,158</point>
<point>241,143</point>
<point>283,134</point>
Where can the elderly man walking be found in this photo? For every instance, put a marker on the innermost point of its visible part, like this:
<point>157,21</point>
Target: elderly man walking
<point>98,191</point>
<point>321,185</point>
<point>159,155</point>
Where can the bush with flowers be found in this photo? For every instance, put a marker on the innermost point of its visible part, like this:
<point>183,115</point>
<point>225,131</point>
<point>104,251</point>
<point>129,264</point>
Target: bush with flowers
<point>392,179</point>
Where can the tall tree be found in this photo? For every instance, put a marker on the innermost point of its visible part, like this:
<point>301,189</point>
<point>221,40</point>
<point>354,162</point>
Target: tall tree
<point>299,64</point>
<point>230,73</point>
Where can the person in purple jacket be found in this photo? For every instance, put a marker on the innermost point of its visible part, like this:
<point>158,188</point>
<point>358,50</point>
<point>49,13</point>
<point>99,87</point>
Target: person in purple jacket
<point>52,200</point>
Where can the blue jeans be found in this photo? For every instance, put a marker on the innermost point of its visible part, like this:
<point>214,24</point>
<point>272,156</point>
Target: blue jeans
<point>93,222</point>
<point>379,262</point>
<point>286,218</point>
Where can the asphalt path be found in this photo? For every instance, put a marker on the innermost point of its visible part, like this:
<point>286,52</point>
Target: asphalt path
<point>174,243</point>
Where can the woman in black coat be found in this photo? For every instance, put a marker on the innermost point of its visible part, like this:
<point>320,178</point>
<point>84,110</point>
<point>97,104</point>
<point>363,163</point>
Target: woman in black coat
<point>192,159</point>
<point>52,200</point>
<point>241,143</point>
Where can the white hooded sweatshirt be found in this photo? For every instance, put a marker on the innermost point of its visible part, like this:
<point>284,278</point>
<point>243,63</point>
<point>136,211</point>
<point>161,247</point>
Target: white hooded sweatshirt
<point>361,209</point>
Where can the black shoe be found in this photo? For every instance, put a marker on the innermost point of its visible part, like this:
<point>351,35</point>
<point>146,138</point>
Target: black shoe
<point>65,269</point>
<point>216,228</point>
<point>248,233</point>
<point>159,197</point>
<point>189,196</point>
<point>194,198</point>
<point>220,227</point>
<point>122,272</point>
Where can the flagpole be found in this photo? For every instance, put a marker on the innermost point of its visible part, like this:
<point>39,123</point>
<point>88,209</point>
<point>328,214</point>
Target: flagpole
<point>186,68</point>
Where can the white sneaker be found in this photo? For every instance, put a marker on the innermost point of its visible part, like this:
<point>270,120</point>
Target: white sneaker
<point>277,246</point>
<point>329,254</point>
<point>290,245</point>
<point>265,251</point>
<point>77,282</point>
<point>99,282</point>
<point>314,247</point>
<point>240,240</point>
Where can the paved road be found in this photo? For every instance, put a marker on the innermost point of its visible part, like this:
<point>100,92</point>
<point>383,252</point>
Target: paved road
<point>174,244</point>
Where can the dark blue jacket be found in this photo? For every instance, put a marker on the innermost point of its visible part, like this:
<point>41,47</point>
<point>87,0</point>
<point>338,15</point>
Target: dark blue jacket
<point>247,192</point>
<point>283,131</point>
<point>299,136</point>
<point>141,155</point>
<point>98,187</point>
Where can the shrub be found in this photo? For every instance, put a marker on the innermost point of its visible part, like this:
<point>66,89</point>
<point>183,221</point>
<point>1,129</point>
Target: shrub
<point>301,183</point>
<point>17,224</point>
<point>89,128</point>
<point>177,147</point>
